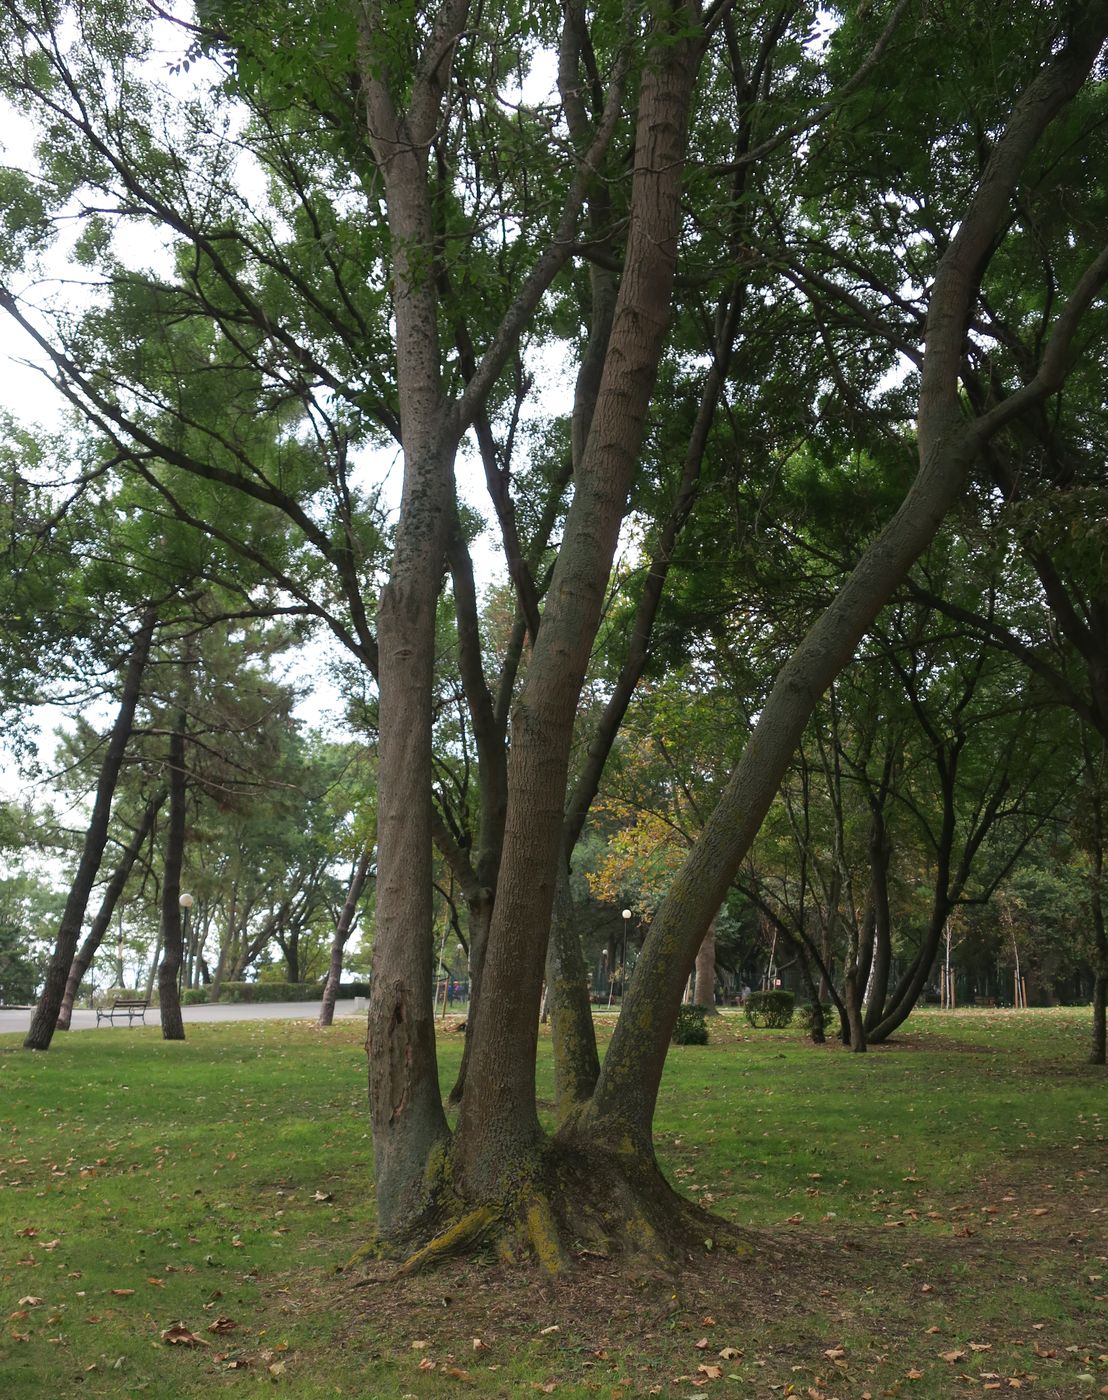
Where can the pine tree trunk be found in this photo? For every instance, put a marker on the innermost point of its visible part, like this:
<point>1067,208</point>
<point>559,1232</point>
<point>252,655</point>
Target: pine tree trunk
<point>342,932</point>
<point>49,1004</point>
<point>169,970</point>
<point>88,948</point>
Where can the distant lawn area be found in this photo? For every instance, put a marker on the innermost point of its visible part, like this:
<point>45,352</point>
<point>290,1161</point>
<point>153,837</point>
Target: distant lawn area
<point>929,1220</point>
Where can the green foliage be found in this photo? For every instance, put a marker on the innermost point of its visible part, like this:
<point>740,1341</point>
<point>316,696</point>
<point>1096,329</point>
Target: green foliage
<point>20,970</point>
<point>691,1026</point>
<point>773,1009</point>
<point>270,991</point>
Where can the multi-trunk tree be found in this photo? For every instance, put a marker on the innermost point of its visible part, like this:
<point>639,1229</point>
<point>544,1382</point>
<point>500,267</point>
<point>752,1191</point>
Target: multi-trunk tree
<point>411,269</point>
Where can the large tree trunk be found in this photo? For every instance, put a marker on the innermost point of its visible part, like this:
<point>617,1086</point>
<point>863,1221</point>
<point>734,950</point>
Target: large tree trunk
<point>498,1130</point>
<point>342,932</point>
<point>405,1105</point>
<point>88,948</point>
<point>169,970</point>
<point>49,1004</point>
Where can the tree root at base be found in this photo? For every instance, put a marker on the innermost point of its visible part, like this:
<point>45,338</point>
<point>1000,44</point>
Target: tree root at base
<point>573,1206</point>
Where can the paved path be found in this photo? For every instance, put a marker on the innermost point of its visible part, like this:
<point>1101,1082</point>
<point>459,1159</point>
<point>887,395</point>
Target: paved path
<point>17,1021</point>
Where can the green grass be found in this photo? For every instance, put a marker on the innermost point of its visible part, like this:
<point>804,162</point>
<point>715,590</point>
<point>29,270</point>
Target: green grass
<point>954,1181</point>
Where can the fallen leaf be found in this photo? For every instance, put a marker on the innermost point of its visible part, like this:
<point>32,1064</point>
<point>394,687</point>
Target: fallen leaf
<point>277,1368</point>
<point>712,1372</point>
<point>420,1345</point>
<point>927,1288</point>
<point>730,1354</point>
<point>122,1292</point>
<point>323,1196</point>
<point>156,1282</point>
<point>29,1302</point>
<point>952,1356</point>
<point>179,1335</point>
<point>479,1345</point>
<point>914,1375</point>
<point>702,1345</point>
<point>980,1346</point>
<point>835,1353</point>
<point>222,1324</point>
<point>546,1331</point>
<point>426,1364</point>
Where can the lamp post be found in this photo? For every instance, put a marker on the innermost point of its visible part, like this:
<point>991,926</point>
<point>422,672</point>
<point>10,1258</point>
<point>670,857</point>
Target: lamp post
<point>186,902</point>
<point>623,961</point>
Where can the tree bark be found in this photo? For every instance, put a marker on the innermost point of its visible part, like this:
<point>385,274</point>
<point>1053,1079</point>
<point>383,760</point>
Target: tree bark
<point>623,1106</point>
<point>342,932</point>
<point>705,994</point>
<point>406,1110</point>
<point>120,875</point>
<point>576,1062</point>
<point>169,995</point>
<point>45,1018</point>
<point>498,1130</point>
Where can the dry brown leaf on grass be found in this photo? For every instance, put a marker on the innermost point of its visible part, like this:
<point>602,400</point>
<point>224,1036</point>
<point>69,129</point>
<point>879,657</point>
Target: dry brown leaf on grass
<point>835,1353</point>
<point>712,1372</point>
<point>122,1292</point>
<point>179,1336</point>
<point>29,1301</point>
<point>730,1354</point>
<point>222,1324</point>
<point>952,1356</point>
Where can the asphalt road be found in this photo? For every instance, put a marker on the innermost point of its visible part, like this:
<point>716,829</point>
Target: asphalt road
<point>18,1020</point>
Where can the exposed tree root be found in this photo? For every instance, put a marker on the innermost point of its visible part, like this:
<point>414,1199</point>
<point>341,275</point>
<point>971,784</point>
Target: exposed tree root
<point>575,1204</point>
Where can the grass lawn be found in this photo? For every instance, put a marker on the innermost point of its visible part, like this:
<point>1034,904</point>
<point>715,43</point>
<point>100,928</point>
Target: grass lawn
<point>928,1220</point>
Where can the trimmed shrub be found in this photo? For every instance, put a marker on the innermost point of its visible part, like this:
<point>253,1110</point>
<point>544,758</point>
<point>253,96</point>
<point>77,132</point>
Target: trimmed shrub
<point>194,996</point>
<point>690,1028</point>
<point>769,1009</point>
<point>270,991</point>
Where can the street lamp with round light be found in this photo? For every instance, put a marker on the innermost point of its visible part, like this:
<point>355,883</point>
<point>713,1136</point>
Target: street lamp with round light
<point>186,902</point>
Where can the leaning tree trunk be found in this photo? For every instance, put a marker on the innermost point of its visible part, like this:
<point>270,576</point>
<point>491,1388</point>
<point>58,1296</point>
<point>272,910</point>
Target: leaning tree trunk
<point>169,970</point>
<point>705,994</point>
<point>45,1018</point>
<point>342,932</point>
<point>88,948</point>
<point>622,1108</point>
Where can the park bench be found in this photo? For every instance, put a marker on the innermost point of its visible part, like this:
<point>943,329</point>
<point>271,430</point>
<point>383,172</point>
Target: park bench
<point>124,1006</point>
<point>984,1001</point>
